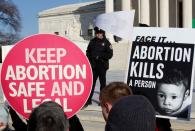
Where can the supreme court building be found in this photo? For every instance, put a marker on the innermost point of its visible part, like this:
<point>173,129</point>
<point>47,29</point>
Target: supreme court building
<point>76,21</point>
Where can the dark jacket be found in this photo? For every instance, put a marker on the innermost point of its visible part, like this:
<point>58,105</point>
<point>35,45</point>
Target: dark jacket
<point>163,124</point>
<point>17,123</point>
<point>99,50</point>
<point>75,124</point>
<point>7,129</point>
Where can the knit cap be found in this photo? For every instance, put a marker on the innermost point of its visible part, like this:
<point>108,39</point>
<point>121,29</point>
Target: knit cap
<point>132,113</point>
<point>49,116</point>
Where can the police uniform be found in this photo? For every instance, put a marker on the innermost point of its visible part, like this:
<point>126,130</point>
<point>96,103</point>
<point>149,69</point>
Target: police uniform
<point>99,51</point>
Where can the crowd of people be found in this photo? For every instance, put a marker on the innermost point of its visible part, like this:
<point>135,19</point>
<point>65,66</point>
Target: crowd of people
<point>121,109</point>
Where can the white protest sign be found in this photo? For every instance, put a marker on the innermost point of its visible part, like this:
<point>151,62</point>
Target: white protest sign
<point>161,67</point>
<point>118,23</point>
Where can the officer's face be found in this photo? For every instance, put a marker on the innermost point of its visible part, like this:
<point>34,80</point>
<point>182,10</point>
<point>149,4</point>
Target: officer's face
<point>99,35</point>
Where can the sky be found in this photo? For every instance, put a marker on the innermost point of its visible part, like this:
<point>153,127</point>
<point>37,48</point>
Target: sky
<point>29,10</point>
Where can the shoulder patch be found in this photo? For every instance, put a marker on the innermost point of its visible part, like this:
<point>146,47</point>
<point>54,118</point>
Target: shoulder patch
<point>110,47</point>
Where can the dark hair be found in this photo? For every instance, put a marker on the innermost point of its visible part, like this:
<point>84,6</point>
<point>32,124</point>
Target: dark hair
<point>114,91</point>
<point>49,116</point>
<point>176,77</point>
<point>98,30</point>
<point>143,25</point>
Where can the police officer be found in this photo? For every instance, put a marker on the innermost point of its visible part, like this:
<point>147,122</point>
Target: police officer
<point>99,51</point>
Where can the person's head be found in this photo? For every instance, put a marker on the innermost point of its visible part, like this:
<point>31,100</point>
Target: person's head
<point>49,116</point>
<point>99,33</point>
<point>172,91</point>
<point>131,113</point>
<point>3,117</point>
<point>110,94</point>
<point>143,25</point>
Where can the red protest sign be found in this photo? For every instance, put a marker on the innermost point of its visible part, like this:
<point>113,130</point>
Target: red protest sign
<point>46,67</point>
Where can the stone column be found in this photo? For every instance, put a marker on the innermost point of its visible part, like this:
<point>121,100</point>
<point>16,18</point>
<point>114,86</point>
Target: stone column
<point>109,6</point>
<point>144,12</point>
<point>164,13</point>
<point>126,5</point>
<point>187,13</point>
